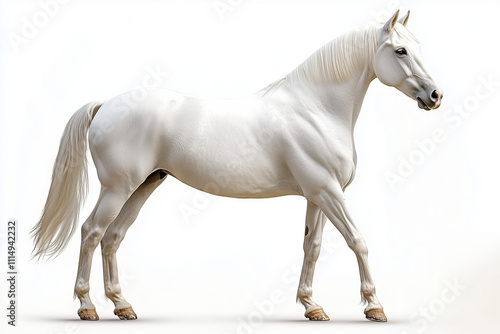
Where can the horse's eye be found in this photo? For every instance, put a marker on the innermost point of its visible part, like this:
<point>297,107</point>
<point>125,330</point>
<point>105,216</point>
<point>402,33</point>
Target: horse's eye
<point>401,52</point>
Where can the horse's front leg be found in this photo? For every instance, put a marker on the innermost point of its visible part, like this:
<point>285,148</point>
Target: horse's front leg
<point>315,222</point>
<point>330,199</point>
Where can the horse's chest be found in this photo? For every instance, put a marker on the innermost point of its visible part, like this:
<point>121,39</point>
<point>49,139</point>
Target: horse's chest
<point>322,154</point>
<point>342,163</point>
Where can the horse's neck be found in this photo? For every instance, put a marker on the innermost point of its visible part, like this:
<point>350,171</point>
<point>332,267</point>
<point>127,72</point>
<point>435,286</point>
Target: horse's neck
<point>337,75</point>
<point>342,101</point>
<point>354,91</point>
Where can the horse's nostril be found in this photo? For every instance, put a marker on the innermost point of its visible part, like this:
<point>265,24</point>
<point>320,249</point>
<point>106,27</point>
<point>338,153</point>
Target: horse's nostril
<point>435,95</point>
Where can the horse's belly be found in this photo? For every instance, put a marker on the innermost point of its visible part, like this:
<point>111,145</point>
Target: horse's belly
<point>230,177</point>
<point>226,166</point>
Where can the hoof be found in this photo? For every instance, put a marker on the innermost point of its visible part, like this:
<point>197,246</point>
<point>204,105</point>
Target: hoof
<point>88,314</point>
<point>376,314</point>
<point>317,315</point>
<point>126,313</point>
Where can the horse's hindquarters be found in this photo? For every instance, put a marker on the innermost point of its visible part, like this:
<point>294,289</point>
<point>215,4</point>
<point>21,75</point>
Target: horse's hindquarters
<point>125,139</point>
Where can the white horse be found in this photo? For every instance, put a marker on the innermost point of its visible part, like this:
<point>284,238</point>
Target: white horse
<point>295,137</point>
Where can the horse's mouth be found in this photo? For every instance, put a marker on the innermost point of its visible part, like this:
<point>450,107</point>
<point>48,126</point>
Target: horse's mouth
<point>422,105</point>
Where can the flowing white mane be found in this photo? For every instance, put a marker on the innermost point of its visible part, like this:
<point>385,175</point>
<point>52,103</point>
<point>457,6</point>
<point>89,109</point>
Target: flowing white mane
<point>338,59</point>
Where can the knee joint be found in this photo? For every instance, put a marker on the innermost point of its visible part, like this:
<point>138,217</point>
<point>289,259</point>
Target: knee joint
<point>358,246</point>
<point>110,243</point>
<point>312,250</point>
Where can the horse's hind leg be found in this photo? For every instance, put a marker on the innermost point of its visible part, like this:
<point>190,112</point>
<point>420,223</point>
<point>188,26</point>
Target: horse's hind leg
<point>315,222</point>
<point>114,236</point>
<point>110,202</point>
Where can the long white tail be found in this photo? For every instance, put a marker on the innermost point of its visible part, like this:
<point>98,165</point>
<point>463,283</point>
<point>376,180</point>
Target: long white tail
<point>68,188</point>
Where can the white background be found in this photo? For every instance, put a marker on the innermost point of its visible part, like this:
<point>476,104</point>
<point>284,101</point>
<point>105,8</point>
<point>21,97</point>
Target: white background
<point>207,272</point>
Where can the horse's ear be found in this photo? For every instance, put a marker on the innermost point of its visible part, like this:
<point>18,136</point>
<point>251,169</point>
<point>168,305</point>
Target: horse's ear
<point>389,25</point>
<point>404,19</point>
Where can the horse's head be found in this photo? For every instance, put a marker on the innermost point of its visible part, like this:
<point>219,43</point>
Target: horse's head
<point>397,63</point>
